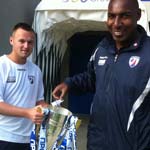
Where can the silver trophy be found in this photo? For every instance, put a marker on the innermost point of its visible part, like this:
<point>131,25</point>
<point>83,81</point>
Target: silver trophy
<point>58,118</point>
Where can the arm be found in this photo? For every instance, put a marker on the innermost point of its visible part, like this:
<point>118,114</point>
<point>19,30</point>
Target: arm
<point>30,113</point>
<point>40,93</point>
<point>84,82</point>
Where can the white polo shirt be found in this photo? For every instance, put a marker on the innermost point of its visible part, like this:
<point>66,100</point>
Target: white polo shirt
<point>22,86</point>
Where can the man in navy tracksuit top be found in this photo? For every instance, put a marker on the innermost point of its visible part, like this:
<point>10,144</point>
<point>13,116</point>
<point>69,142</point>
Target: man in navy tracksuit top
<point>119,74</point>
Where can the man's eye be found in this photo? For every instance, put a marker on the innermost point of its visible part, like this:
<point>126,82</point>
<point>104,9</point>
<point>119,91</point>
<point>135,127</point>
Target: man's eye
<point>125,16</point>
<point>30,42</point>
<point>21,41</point>
<point>111,16</point>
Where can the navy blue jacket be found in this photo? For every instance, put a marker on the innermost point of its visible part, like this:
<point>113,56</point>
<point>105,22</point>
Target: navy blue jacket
<point>120,112</point>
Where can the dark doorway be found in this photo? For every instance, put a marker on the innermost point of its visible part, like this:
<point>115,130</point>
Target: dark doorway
<point>81,46</point>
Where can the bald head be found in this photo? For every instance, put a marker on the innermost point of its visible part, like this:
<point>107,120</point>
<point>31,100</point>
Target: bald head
<point>130,3</point>
<point>125,6</point>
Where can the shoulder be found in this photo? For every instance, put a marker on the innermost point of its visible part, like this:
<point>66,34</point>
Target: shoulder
<point>103,45</point>
<point>3,57</point>
<point>3,60</point>
<point>33,66</point>
<point>145,41</point>
<point>5,65</point>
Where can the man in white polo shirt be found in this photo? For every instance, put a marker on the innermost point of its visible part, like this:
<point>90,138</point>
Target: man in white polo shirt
<point>21,89</point>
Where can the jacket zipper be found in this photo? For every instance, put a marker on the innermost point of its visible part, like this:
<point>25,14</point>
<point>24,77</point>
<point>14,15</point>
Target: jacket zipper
<point>116,57</point>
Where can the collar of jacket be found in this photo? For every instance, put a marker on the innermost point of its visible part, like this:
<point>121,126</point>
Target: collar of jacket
<point>109,44</point>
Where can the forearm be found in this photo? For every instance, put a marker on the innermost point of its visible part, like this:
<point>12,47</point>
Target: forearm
<point>81,83</point>
<point>10,110</point>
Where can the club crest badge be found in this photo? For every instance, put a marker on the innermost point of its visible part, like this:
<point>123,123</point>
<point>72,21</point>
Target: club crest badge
<point>31,79</point>
<point>133,61</point>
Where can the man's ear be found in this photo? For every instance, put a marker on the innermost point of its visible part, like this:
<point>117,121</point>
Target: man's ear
<point>139,14</point>
<point>10,40</point>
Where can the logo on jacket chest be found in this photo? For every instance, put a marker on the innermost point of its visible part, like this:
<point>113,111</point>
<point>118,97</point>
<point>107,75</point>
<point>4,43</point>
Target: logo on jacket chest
<point>102,60</point>
<point>133,61</point>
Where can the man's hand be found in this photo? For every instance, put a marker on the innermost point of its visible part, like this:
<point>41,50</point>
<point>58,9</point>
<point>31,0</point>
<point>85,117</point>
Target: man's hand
<point>36,114</point>
<point>60,91</point>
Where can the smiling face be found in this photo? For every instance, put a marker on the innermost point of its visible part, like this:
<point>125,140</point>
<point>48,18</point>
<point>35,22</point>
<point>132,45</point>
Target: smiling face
<point>22,42</point>
<point>122,20</point>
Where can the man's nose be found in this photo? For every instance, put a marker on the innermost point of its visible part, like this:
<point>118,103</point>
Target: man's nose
<point>26,44</point>
<point>117,21</point>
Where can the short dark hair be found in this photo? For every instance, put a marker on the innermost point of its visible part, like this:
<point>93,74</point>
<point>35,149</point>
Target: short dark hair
<point>23,26</point>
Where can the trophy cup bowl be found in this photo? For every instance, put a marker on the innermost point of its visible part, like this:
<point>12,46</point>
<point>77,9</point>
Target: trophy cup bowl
<point>57,120</point>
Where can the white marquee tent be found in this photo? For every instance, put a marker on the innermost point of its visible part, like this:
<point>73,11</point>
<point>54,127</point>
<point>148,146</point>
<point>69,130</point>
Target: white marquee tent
<point>55,21</point>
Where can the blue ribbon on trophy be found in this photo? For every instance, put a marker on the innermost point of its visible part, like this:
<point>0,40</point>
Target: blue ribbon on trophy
<point>42,135</point>
<point>38,133</point>
<point>67,138</point>
<point>33,139</point>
